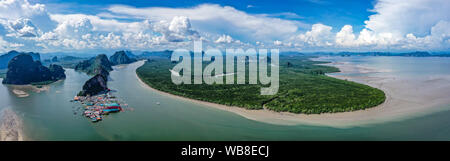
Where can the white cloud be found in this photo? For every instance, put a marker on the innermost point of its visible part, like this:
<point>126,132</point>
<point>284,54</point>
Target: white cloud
<point>396,25</point>
<point>218,20</point>
<point>402,17</point>
<point>345,37</point>
<point>319,36</point>
<point>122,34</point>
<point>277,42</point>
<point>22,28</point>
<point>74,27</point>
<point>438,39</point>
<point>100,24</point>
<point>224,39</point>
<point>179,29</point>
<point>441,31</point>
<point>81,31</point>
<point>17,9</point>
<point>5,45</point>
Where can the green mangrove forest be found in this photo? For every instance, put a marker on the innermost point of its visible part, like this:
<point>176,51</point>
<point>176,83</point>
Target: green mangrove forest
<point>303,88</point>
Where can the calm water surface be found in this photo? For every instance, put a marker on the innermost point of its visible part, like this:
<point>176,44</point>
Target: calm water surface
<point>50,116</point>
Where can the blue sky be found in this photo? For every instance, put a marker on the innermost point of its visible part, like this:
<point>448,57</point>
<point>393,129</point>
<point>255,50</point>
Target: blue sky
<point>335,13</point>
<point>298,25</point>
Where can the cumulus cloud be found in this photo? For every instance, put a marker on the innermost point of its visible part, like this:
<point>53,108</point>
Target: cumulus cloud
<point>438,39</point>
<point>81,34</point>
<point>14,9</point>
<point>177,30</point>
<point>220,19</point>
<point>79,30</point>
<point>22,28</point>
<point>319,36</point>
<point>74,28</point>
<point>395,25</point>
<point>407,16</point>
<point>224,39</point>
<point>345,37</point>
<point>22,9</point>
<point>367,38</point>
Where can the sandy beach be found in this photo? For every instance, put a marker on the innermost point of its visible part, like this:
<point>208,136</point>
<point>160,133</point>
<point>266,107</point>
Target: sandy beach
<point>23,90</point>
<point>404,98</point>
<point>10,126</point>
<point>20,93</point>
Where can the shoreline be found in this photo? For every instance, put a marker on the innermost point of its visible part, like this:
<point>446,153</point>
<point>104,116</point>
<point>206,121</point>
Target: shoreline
<point>397,106</point>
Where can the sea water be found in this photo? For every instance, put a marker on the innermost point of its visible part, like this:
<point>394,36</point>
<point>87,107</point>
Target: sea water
<point>49,115</point>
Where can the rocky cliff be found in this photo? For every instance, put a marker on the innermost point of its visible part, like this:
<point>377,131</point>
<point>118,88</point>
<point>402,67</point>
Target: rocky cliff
<point>96,85</point>
<point>57,72</point>
<point>93,65</point>
<point>121,57</point>
<point>22,69</point>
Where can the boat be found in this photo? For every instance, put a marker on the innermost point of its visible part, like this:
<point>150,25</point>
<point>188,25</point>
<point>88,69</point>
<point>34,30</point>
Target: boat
<point>94,119</point>
<point>111,110</point>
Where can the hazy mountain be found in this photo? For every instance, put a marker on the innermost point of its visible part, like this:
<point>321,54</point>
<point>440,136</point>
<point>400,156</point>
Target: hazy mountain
<point>152,54</point>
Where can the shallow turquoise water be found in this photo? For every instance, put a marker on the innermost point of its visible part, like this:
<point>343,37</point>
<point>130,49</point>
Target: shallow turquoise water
<point>50,115</point>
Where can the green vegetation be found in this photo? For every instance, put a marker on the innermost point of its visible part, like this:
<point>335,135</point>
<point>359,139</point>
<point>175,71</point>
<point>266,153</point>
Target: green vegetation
<point>95,65</point>
<point>303,88</point>
<point>22,70</point>
<point>121,57</point>
<point>38,84</point>
<point>66,61</point>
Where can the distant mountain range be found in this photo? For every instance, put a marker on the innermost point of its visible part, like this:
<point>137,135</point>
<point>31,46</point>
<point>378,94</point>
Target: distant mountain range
<point>410,54</point>
<point>150,54</point>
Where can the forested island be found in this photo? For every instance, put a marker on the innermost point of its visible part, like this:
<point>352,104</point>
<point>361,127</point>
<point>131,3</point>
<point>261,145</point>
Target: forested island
<point>122,57</point>
<point>95,65</point>
<point>22,70</point>
<point>303,88</point>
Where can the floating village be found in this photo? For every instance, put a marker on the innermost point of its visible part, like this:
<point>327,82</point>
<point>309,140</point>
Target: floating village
<point>96,107</point>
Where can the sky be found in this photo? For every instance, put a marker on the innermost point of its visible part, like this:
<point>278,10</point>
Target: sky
<point>294,25</point>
